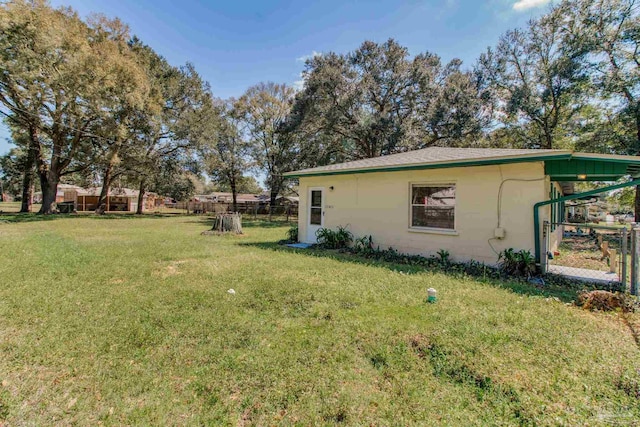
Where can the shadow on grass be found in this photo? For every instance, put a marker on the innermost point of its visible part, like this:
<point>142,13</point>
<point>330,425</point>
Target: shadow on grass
<point>251,223</point>
<point>34,217</point>
<point>563,293</point>
<point>265,223</point>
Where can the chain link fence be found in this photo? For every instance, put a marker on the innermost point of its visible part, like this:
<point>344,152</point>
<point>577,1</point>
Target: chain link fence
<point>589,252</point>
<point>287,213</point>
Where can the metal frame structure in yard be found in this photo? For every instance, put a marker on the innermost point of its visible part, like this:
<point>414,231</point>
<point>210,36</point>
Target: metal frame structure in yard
<point>591,252</point>
<point>627,250</point>
<point>594,253</point>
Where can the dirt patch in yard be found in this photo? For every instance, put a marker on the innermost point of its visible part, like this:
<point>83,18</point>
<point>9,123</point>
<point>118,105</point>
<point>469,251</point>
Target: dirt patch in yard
<point>173,268</point>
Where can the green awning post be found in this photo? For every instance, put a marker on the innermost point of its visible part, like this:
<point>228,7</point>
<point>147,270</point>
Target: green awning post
<point>537,206</point>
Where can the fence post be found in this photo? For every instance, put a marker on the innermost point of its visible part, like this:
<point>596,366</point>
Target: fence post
<point>624,254</point>
<point>635,257</point>
<point>544,258</point>
<point>613,261</point>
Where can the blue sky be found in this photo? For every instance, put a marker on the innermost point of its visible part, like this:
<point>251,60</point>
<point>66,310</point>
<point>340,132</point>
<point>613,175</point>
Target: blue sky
<point>235,44</point>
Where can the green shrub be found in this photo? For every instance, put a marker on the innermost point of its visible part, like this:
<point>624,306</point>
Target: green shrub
<point>292,233</point>
<point>517,263</point>
<point>329,239</point>
<point>444,256</point>
<point>363,245</point>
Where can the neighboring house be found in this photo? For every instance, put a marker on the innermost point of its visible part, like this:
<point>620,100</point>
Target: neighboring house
<point>244,199</point>
<point>241,198</point>
<point>118,200</point>
<point>471,202</point>
<point>288,200</point>
<point>37,196</point>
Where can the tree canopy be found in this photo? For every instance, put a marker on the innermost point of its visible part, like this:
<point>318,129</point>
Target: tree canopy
<point>378,100</point>
<point>88,102</point>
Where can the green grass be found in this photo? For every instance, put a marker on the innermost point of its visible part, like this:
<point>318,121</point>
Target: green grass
<point>128,321</point>
<point>13,207</point>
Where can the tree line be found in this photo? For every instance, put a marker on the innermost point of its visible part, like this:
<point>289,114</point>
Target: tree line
<point>88,103</point>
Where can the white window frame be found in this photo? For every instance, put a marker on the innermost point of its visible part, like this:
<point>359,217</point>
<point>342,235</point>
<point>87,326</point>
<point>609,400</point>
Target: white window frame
<point>435,230</point>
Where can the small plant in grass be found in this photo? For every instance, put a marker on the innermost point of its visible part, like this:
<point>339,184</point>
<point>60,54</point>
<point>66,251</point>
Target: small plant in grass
<point>329,239</point>
<point>517,263</point>
<point>629,383</point>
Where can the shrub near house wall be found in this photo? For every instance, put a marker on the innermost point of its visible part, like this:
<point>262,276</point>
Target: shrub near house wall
<point>519,265</point>
<point>329,239</point>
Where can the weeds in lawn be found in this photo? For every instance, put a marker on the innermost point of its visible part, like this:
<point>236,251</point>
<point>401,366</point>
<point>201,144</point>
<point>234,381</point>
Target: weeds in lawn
<point>629,383</point>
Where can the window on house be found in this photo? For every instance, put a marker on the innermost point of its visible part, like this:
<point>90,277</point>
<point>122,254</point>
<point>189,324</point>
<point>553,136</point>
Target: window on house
<point>433,206</point>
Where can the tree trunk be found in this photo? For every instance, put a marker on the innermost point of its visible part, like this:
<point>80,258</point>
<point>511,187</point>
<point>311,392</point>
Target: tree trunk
<point>637,199</point>
<point>27,184</point>
<point>637,204</point>
<point>49,176</point>
<point>49,184</point>
<point>548,138</point>
<point>29,176</point>
<point>140,208</point>
<point>228,223</point>
<point>104,192</point>
<point>272,200</point>
<point>234,196</point>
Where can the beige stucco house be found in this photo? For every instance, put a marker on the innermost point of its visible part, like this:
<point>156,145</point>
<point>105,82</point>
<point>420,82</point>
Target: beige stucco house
<point>473,203</point>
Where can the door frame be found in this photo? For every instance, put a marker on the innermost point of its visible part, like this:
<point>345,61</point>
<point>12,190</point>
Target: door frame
<point>311,238</point>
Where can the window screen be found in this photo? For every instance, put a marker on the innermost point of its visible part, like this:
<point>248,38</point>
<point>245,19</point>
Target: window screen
<point>433,206</point>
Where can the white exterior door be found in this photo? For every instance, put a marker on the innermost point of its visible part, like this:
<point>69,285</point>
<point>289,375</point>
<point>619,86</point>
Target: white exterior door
<point>315,214</point>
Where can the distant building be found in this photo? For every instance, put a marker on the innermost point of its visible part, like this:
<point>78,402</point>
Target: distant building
<point>118,200</point>
<point>241,198</point>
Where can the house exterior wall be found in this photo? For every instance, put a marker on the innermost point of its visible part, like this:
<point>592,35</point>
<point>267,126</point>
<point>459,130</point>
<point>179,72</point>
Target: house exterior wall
<point>377,204</point>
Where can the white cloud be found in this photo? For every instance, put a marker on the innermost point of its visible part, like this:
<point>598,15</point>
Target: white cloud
<point>529,4</point>
<point>298,85</point>
<point>304,58</point>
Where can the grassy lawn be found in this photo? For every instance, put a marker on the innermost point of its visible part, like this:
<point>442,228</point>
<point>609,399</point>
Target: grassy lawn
<point>12,207</point>
<point>123,320</point>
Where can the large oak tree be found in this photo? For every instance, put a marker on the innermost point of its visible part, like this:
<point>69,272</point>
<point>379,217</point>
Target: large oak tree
<point>378,100</point>
<point>59,77</point>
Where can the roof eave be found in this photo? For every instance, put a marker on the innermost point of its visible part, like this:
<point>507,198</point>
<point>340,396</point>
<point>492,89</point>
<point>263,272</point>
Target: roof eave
<point>437,165</point>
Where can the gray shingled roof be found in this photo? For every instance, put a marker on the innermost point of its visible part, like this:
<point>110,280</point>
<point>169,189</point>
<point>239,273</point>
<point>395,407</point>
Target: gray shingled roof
<point>434,157</point>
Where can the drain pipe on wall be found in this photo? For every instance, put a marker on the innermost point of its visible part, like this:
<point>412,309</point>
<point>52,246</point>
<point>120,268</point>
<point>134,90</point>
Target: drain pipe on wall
<point>499,232</point>
<point>537,206</point>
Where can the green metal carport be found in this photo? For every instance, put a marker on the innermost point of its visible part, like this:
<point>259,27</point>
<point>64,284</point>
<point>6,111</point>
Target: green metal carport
<point>584,167</point>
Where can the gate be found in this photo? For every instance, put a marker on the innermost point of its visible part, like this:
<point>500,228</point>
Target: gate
<point>589,252</point>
